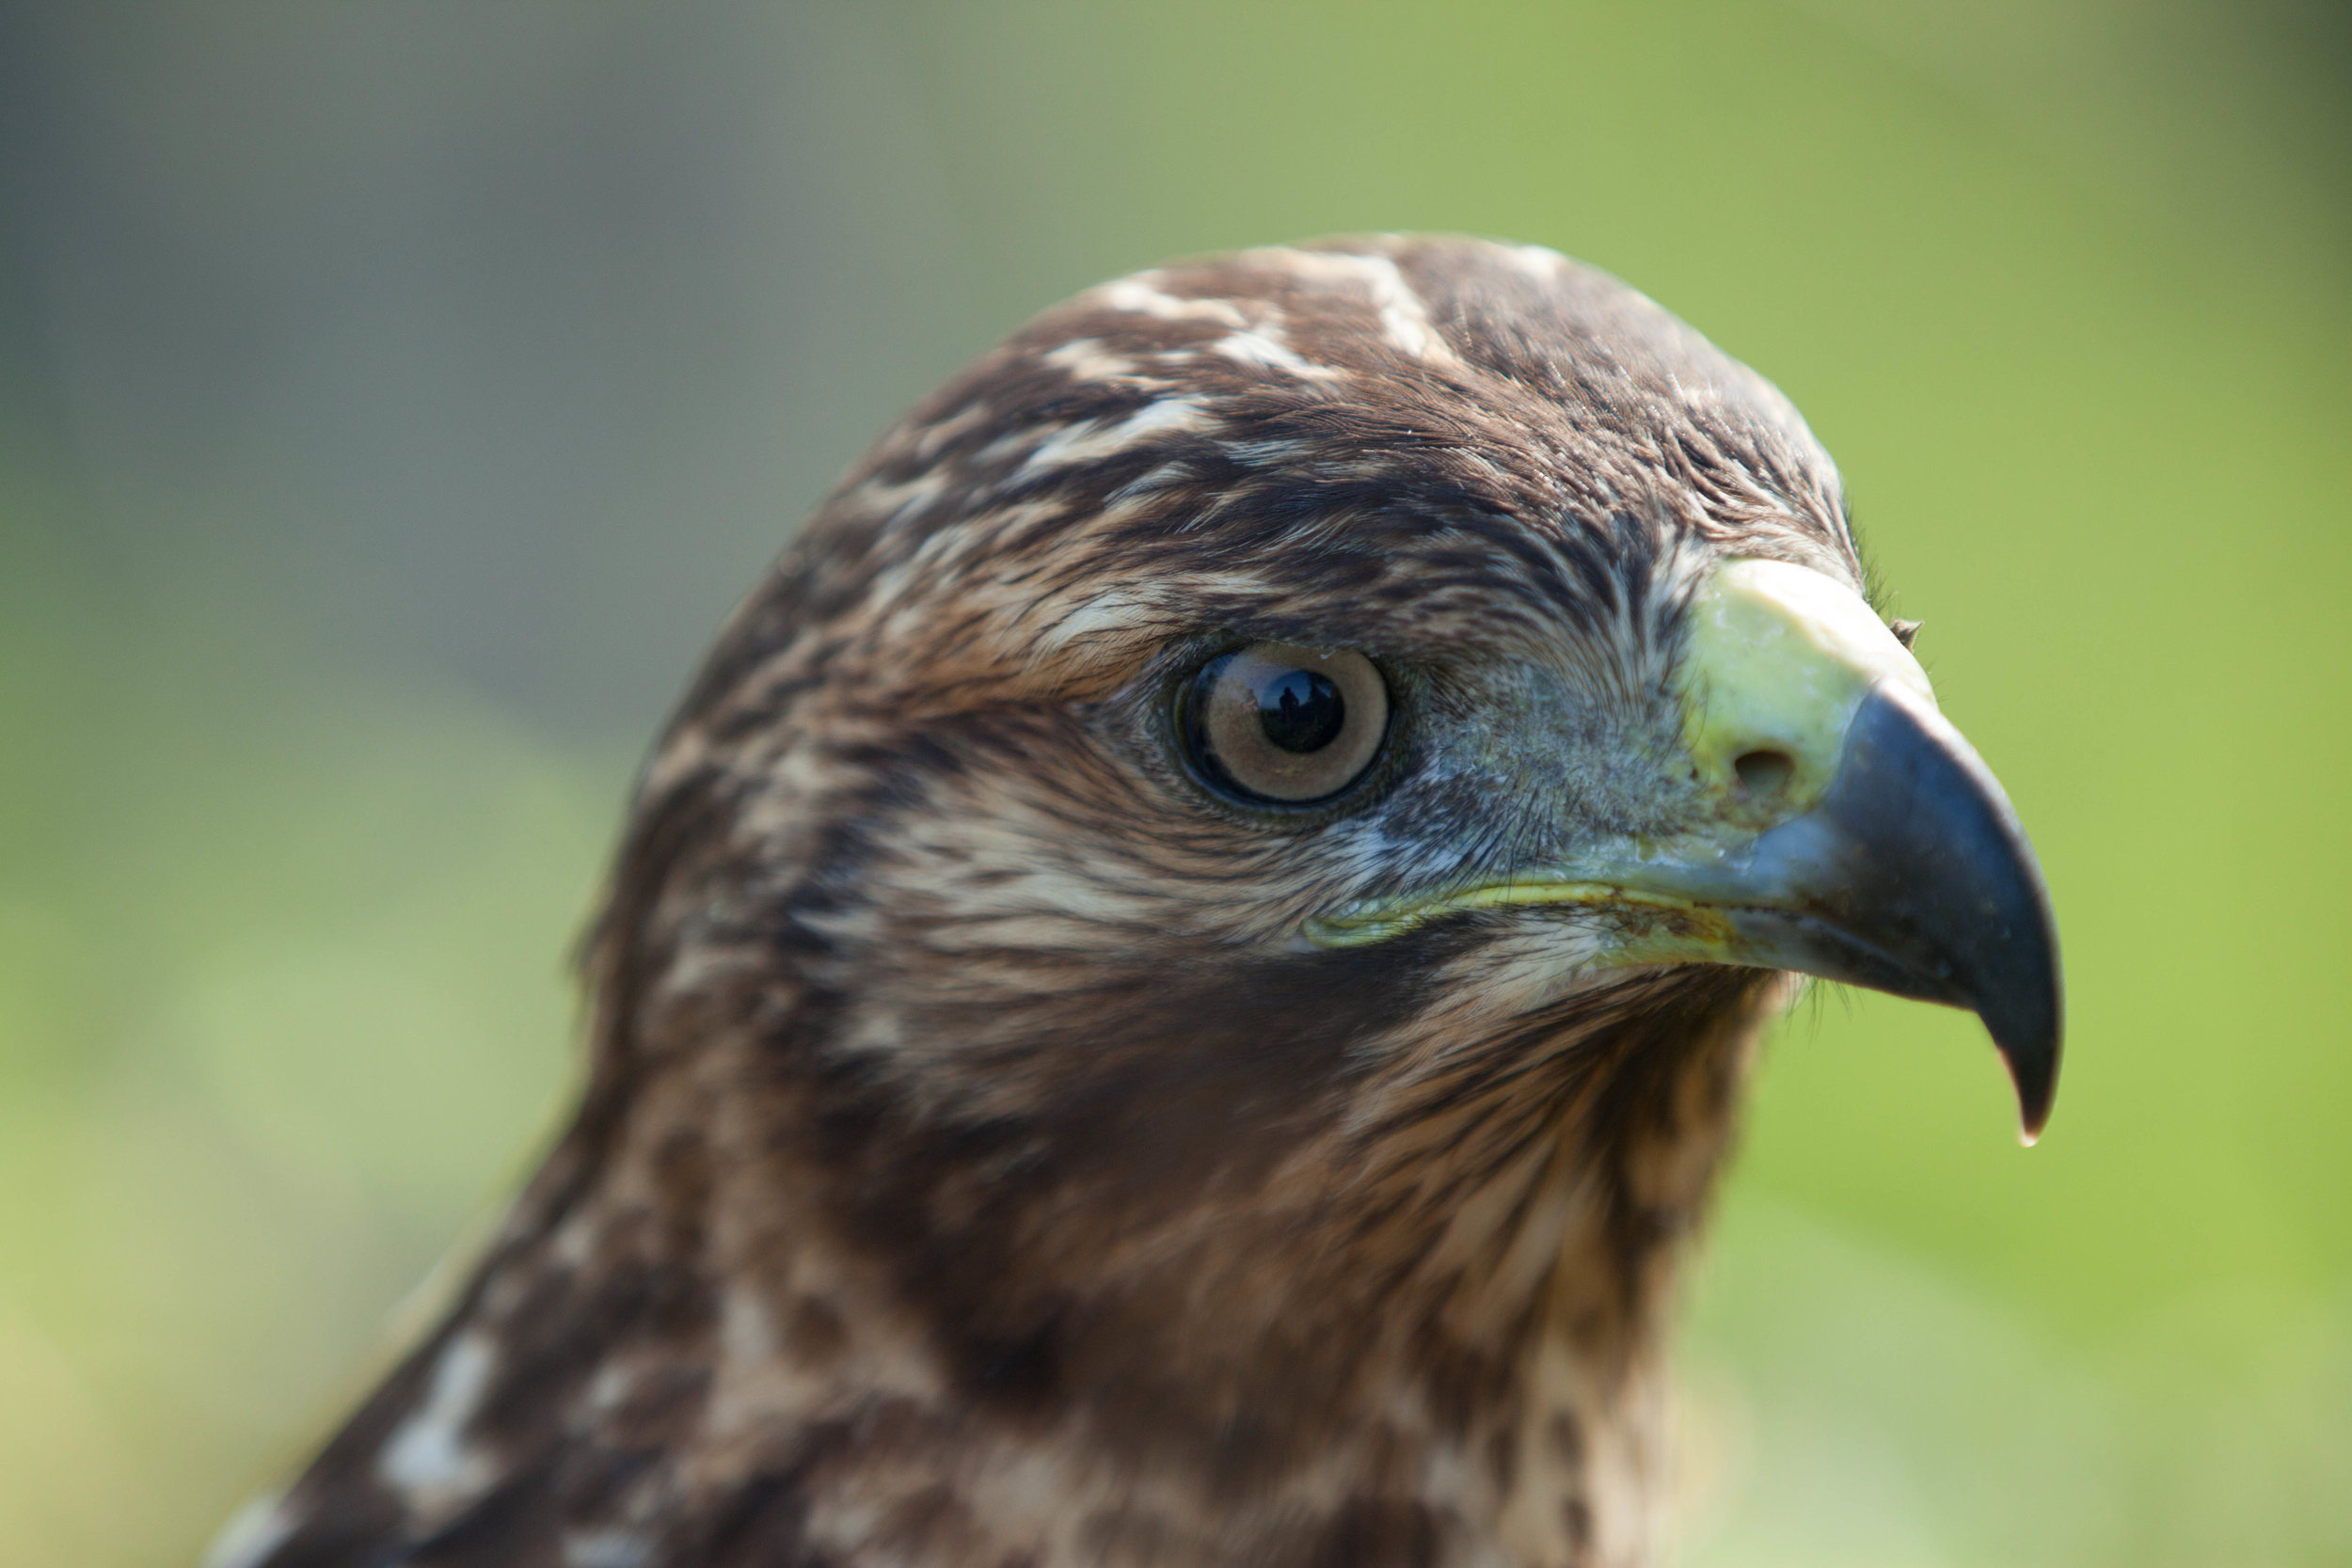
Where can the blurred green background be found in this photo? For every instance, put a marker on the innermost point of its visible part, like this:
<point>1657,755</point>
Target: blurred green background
<point>393,397</point>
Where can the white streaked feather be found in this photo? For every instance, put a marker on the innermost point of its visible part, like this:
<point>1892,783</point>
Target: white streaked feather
<point>427,1459</point>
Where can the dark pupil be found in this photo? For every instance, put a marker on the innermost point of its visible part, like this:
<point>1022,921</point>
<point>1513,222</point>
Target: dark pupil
<point>1301,711</point>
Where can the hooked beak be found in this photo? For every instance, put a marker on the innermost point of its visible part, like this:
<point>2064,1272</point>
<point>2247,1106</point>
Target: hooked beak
<point>1844,830</point>
<point>1912,877</point>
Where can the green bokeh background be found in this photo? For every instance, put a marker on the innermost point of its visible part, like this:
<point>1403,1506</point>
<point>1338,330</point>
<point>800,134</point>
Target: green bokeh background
<point>393,397</point>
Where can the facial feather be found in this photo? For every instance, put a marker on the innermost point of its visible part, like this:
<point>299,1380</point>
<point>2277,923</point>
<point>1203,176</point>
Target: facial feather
<point>976,1167</point>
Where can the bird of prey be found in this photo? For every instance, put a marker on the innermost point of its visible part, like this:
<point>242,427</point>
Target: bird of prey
<point>1179,980</point>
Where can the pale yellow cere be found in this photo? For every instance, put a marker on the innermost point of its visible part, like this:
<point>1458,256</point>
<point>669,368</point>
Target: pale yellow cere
<point>1779,657</point>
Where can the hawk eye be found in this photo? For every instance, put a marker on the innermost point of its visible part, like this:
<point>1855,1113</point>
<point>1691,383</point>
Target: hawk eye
<point>1275,722</point>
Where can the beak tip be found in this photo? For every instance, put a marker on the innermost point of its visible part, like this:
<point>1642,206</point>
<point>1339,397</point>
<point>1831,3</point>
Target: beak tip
<point>2033,1067</point>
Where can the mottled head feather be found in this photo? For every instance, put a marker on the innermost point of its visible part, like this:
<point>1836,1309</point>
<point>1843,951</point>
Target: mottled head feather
<point>976,1167</point>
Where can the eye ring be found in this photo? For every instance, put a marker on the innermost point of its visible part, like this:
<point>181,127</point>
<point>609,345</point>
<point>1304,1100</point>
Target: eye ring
<point>1275,724</point>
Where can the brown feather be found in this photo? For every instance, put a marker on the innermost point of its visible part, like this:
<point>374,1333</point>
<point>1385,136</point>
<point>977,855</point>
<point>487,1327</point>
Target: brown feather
<point>975,1169</point>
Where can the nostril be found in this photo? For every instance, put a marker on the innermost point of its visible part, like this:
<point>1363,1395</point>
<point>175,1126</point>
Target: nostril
<point>1764,774</point>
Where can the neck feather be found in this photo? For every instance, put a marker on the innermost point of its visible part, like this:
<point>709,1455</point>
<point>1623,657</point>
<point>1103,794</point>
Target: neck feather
<point>1212,1318</point>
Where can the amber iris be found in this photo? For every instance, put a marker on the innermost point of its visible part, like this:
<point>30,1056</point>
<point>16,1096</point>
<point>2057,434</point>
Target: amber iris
<point>1276,722</point>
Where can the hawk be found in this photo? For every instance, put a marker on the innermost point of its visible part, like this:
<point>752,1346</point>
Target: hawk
<point>1176,986</point>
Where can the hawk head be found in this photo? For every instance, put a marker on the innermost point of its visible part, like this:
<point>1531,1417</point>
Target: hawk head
<point>1190,954</point>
